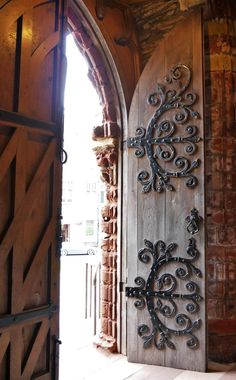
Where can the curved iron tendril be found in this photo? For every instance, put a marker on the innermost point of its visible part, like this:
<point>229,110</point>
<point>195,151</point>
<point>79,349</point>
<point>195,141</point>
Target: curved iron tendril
<point>159,140</point>
<point>159,294</point>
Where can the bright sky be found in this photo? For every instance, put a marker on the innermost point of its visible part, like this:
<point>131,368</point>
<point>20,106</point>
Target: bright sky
<point>82,108</point>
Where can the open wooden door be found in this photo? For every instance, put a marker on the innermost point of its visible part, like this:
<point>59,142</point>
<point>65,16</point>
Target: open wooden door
<point>166,323</point>
<point>30,187</point>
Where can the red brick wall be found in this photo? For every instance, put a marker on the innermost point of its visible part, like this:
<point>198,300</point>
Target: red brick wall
<point>220,49</point>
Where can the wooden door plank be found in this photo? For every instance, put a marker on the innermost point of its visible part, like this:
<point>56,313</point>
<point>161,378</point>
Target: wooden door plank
<point>8,49</point>
<point>4,342</point>
<point>46,376</point>
<point>132,231</point>
<point>29,104</point>
<point>31,276</point>
<point>28,202</point>
<point>9,153</point>
<point>10,36</point>
<point>15,352</point>
<point>25,94</point>
<point>17,263</point>
<point>175,227</point>
<point>12,10</point>
<point>30,35</point>
<point>161,215</point>
<point>35,351</point>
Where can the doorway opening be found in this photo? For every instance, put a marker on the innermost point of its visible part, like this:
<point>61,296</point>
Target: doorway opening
<point>83,196</point>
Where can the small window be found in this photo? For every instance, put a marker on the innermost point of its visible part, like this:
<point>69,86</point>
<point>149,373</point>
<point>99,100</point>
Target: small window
<point>102,196</point>
<point>89,227</point>
<point>65,232</point>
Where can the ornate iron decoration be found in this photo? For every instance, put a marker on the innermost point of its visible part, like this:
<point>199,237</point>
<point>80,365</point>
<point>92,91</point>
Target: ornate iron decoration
<point>163,134</point>
<point>160,293</point>
<point>193,220</point>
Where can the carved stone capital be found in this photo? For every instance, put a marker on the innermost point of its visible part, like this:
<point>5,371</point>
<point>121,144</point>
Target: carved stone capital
<point>107,158</point>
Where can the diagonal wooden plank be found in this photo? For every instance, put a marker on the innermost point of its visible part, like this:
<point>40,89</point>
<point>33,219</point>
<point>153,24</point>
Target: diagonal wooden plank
<point>38,260</point>
<point>36,350</point>
<point>28,202</point>
<point>46,376</point>
<point>44,48</point>
<point>4,341</point>
<point>19,193</point>
<point>16,353</point>
<point>9,153</point>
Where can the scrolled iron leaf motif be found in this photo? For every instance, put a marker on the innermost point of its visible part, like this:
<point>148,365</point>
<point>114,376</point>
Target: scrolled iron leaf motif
<point>159,141</point>
<point>159,293</point>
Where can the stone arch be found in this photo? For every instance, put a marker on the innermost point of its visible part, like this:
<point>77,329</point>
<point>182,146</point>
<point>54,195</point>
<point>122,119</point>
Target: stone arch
<point>105,78</point>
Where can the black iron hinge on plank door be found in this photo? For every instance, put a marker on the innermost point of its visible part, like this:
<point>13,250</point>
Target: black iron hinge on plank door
<point>162,136</point>
<point>160,291</point>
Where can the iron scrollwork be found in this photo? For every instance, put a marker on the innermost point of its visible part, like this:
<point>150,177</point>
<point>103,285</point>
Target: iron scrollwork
<point>162,134</point>
<point>193,222</point>
<point>159,294</point>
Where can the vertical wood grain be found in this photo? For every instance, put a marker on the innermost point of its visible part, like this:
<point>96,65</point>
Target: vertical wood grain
<point>29,188</point>
<point>161,216</point>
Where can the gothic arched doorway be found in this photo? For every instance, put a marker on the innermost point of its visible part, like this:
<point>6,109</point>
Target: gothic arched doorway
<point>107,145</point>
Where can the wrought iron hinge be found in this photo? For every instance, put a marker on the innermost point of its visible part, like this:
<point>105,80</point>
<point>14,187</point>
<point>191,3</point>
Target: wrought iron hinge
<point>41,312</point>
<point>160,139</point>
<point>123,145</point>
<point>58,235</point>
<point>160,294</point>
<point>121,286</point>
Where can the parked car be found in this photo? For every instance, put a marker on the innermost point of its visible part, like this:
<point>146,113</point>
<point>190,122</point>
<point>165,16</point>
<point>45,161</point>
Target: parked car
<point>68,249</point>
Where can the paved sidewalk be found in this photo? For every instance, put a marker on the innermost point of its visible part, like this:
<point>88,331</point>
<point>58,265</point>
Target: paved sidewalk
<point>91,363</point>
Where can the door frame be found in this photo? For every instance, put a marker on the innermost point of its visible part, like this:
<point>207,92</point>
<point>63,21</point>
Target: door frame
<point>108,137</point>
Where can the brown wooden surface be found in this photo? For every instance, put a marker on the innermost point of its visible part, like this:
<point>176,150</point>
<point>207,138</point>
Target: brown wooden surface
<point>161,216</point>
<point>30,186</point>
<point>29,37</point>
<point>117,23</point>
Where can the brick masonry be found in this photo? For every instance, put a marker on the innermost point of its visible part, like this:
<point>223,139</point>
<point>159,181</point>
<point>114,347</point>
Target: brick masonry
<point>220,112</point>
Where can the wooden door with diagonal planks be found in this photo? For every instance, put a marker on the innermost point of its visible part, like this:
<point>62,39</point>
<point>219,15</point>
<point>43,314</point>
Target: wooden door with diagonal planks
<point>165,208</point>
<point>30,187</point>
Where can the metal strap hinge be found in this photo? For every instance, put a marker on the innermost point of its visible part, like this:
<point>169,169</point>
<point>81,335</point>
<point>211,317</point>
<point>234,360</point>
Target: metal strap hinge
<point>12,319</point>
<point>121,286</point>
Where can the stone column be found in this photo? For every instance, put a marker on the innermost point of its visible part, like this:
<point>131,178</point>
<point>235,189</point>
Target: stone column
<point>107,159</point>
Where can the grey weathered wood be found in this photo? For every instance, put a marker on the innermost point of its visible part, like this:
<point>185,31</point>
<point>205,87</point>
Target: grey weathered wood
<point>161,216</point>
